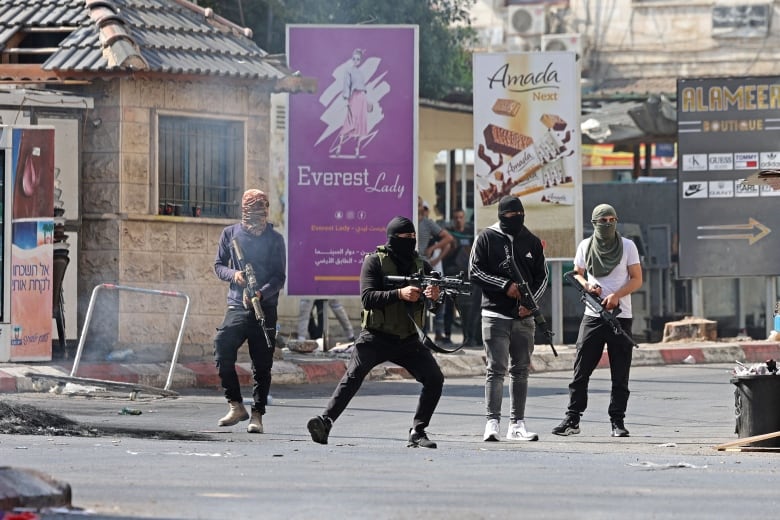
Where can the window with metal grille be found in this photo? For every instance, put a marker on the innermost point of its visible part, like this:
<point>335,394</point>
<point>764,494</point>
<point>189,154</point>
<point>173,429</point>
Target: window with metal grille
<point>200,165</point>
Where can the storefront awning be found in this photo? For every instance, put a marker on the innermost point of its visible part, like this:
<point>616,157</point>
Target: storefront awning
<point>629,122</point>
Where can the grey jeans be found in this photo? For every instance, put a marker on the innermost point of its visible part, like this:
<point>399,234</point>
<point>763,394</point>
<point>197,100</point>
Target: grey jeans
<point>508,345</point>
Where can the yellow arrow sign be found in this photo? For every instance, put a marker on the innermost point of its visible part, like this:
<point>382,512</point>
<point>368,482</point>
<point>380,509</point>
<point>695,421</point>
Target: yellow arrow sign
<point>750,226</point>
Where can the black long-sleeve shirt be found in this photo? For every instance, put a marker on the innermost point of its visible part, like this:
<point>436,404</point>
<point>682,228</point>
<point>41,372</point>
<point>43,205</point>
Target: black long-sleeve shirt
<point>373,291</point>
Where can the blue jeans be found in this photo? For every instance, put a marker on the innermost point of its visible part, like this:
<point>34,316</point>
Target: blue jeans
<point>508,345</point>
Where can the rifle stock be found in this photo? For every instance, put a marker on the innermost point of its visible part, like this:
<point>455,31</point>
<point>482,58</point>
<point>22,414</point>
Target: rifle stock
<point>596,305</point>
<point>251,289</point>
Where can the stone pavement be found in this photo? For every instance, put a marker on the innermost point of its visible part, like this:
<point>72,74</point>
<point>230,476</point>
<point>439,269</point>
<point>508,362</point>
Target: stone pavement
<point>328,367</point>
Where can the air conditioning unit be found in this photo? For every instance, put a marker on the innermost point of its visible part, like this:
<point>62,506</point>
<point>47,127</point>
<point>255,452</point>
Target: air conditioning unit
<point>526,20</point>
<point>562,42</point>
<point>740,21</point>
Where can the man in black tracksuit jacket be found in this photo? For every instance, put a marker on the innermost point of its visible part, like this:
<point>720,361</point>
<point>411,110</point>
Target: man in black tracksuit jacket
<point>499,252</point>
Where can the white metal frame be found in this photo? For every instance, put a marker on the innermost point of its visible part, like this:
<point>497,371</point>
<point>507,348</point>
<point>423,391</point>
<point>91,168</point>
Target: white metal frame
<point>109,286</point>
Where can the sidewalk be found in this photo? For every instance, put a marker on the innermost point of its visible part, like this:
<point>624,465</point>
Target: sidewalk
<point>328,367</point>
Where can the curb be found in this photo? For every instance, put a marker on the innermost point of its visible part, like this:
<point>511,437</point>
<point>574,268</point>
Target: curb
<point>319,367</point>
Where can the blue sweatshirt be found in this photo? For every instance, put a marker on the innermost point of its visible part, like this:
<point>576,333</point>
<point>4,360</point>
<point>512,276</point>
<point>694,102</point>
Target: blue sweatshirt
<point>266,253</point>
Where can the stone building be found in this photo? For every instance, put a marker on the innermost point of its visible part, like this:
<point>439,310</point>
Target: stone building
<point>178,129</point>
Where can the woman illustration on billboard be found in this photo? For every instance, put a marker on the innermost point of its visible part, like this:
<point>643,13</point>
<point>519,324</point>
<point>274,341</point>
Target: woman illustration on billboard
<point>355,124</point>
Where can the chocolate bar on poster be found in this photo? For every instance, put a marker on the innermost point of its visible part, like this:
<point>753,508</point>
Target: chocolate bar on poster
<point>530,183</point>
<point>553,122</point>
<point>506,107</point>
<point>502,140</point>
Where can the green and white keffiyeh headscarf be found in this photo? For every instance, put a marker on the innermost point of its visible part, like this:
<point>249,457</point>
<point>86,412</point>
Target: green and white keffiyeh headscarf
<point>606,247</point>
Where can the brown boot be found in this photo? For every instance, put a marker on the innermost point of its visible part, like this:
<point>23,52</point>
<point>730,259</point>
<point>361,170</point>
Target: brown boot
<point>236,413</point>
<point>256,423</point>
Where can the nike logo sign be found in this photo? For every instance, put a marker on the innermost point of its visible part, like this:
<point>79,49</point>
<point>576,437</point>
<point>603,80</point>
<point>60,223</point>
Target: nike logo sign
<point>693,189</point>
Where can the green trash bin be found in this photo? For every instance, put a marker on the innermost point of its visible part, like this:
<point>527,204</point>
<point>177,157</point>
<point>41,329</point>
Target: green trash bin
<point>757,407</point>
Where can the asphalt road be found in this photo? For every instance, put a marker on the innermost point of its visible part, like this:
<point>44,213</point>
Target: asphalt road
<point>668,468</point>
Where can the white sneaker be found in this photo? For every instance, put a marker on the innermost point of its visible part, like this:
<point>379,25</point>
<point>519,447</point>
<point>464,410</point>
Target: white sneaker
<point>517,432</point>
<point>491,431</point>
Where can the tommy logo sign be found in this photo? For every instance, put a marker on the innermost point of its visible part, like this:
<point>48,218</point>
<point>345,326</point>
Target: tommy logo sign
<point>746,161</point>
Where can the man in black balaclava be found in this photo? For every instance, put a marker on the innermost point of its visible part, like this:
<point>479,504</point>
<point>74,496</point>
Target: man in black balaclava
<point>402,243</point>
<point>389,333</point>
<point>508,327</point>
<point>511,215</point>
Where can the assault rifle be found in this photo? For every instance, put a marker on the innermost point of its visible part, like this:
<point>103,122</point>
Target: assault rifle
<point>450,285</point>
<point>529,302</point>
<point>251,289</point>
<point>595,304</point>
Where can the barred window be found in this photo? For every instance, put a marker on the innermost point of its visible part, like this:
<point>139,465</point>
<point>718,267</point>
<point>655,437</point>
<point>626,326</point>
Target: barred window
<point>200,165</point>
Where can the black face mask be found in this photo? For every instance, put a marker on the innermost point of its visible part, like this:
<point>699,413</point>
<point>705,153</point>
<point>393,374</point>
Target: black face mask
<point>403,248</point>
<point>512,225</point>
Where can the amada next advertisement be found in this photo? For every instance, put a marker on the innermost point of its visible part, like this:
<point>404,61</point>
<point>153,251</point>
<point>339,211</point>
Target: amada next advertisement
<point>527,143</point>
<point>352,153</point>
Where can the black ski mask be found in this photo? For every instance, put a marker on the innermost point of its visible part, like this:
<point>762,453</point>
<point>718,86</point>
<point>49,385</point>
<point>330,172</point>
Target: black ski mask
<point>401,249</point>
<point>515,224</point>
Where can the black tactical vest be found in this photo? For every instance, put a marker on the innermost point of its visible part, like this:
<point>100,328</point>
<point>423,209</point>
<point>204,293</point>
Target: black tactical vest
<point>394,318</point>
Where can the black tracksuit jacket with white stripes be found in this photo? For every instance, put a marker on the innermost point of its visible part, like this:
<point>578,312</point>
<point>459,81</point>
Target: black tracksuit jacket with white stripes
<point>490,269</point>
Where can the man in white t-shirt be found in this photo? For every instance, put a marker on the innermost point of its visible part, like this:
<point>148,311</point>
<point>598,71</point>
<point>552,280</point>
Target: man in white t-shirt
<point>607,265</point>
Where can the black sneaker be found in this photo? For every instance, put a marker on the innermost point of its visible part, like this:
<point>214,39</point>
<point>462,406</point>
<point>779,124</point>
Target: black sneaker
<point>319,428</point>
<point>419,440</point>
<point>618,428</point>
<point>569,426</point>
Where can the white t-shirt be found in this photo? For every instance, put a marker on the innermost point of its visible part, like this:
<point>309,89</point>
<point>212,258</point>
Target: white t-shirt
<point>616,279</point>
